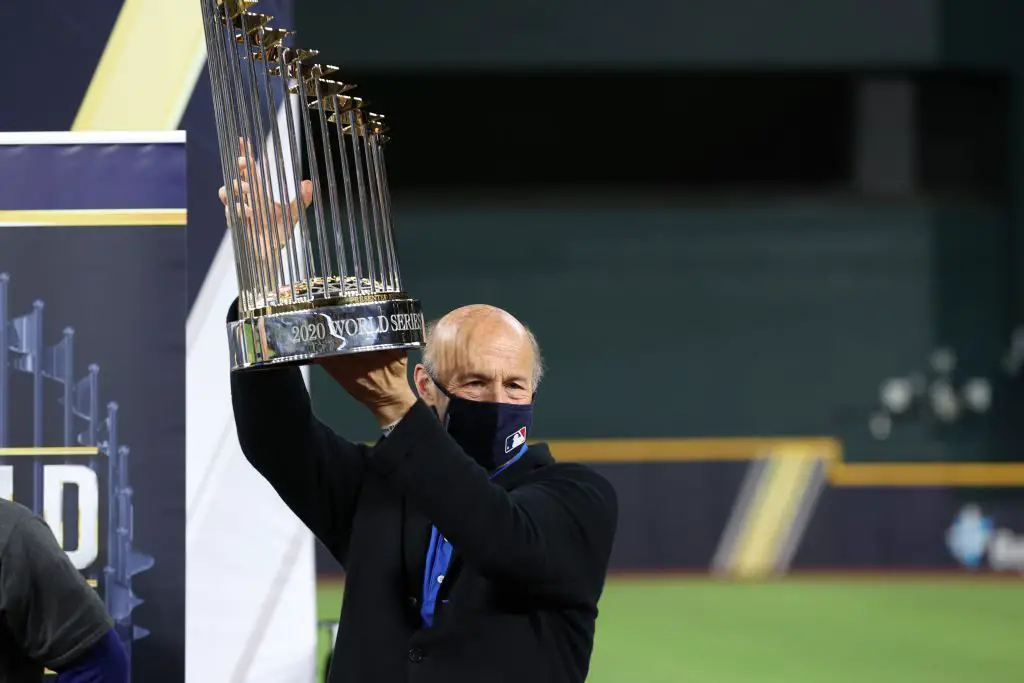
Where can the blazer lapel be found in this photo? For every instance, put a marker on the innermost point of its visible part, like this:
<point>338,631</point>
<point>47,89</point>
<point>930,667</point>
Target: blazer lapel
<point>415,537</point>
<point>537,455</point>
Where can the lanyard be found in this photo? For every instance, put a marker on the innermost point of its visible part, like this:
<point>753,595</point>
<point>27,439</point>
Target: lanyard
<point>508,463</point>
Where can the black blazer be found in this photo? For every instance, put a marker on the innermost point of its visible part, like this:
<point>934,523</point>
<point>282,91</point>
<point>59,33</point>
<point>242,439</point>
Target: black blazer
<point>530,548</point>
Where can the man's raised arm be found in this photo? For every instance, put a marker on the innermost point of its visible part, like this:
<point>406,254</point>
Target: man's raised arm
<point>316,472</point>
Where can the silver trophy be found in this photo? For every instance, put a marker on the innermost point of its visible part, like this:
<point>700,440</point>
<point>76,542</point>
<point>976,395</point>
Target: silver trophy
<point>311,284</point>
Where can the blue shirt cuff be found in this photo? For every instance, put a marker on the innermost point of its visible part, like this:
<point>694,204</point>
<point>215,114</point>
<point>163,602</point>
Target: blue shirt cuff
<point>105,662</point>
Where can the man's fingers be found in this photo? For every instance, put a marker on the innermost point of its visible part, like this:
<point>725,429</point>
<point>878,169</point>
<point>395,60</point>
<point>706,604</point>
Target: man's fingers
<point>242,189</point>
<point>248,165</point>
<point>306,194</point>
<point>244,210</point>
<point>240,212</point>
<point>242,160</point>
<point>244,154</point>
<point>249,189</point>
<point>253,176</point>
<point>245,147</point>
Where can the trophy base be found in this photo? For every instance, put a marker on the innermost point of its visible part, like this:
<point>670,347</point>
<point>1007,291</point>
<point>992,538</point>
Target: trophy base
<point>304,336</point>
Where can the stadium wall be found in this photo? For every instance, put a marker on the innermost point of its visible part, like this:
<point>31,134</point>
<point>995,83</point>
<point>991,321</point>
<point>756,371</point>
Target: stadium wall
<point>767,318</point>
<point>756,508</point>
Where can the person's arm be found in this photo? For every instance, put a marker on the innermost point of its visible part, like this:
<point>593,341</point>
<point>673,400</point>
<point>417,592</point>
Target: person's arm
<point>316,472</point>
<point>557,528</point>
<point>56,618</point>
<point>105,662</point>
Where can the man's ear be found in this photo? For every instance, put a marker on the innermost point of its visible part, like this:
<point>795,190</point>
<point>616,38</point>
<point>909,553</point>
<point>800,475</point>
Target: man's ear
<point>424,385</point>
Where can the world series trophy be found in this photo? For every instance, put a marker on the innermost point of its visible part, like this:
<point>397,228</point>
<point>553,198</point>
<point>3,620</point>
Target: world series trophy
<point>316,284</point>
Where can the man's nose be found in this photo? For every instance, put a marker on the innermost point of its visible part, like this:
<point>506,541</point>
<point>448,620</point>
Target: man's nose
<point>496,393</point>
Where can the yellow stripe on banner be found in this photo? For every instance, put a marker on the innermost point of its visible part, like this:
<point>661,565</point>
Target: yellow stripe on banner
<point>73,218</point>
<point>780,490</point>
<point>148,70</point>
<point>55,451</point>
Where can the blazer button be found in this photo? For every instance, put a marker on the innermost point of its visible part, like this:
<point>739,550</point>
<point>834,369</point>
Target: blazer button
<point>414,602</point>
<point>415,655</point>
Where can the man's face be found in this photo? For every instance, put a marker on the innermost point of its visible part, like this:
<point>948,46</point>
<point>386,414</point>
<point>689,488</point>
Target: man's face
<point>489,361</point>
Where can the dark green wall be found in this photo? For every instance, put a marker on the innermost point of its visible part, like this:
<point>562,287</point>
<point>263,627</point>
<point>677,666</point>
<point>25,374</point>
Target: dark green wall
<point>407,34</point>
<point>517,33</point>
<point>721,317</point>
<point>759,319</point>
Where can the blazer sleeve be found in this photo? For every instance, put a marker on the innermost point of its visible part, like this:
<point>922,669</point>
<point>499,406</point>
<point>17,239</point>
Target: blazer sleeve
<point>557,527</point>
<point>317,473</point>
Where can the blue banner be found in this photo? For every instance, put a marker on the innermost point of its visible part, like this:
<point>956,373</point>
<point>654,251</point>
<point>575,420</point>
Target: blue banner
<point>90,176</point>
<point>92,378</point>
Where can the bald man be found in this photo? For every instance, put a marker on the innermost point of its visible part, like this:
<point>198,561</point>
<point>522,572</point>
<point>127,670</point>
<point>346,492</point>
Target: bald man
<point>469,555</point>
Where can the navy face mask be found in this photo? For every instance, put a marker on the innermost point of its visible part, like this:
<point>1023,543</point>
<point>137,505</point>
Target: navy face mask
<point>490,433</point>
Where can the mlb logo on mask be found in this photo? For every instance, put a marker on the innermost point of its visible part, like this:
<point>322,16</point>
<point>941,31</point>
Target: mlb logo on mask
<point>515,440</point>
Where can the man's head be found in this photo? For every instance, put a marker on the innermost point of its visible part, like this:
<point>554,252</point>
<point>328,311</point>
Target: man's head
<point>480,353</point>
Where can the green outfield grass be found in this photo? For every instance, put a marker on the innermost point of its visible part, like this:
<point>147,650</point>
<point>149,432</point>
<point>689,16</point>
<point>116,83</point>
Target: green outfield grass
<point>801,631</point>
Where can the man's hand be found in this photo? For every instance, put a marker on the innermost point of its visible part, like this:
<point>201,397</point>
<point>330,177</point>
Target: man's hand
<point>377,379</point>
<point>270,227</point>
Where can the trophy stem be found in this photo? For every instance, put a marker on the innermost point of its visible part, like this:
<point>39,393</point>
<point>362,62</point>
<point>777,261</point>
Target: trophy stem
<point>284,194</point>
<point>347,182</point>
<point>297,170</point>
<point>314,172</point>
<point>255,148</point>
<point>228,135</point>
<point>371,176</point>
<point>240,111</point>
<point>355,123</point>
<point>332,186</point>
<point>385,200</point>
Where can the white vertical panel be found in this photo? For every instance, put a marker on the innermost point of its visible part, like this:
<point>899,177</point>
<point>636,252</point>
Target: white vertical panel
<point>247,555</point>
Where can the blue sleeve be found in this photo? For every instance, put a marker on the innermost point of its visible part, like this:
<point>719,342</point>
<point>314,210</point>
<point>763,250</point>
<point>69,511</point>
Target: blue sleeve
<point>45,603</point>
<point>104,662</point>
